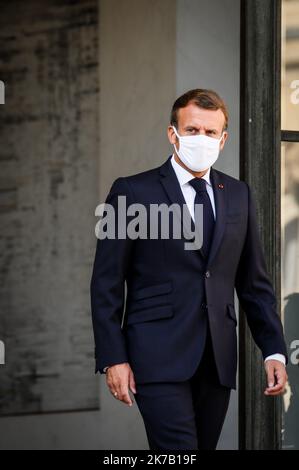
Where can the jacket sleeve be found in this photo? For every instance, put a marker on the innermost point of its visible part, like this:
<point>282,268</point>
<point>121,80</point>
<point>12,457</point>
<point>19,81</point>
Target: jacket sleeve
<point>107,287</point>
<point>255,291</point>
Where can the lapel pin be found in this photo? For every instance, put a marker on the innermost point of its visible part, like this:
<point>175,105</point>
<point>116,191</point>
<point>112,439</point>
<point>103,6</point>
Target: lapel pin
<point>220,186</point>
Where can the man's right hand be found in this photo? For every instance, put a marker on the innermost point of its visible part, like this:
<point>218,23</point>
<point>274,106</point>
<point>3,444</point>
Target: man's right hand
<point>120,379</point>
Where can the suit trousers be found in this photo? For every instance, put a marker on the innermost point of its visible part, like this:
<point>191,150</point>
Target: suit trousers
<point>186,415</point>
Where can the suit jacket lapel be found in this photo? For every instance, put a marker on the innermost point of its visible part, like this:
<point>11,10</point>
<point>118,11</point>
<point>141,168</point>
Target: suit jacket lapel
<point>220,196</point>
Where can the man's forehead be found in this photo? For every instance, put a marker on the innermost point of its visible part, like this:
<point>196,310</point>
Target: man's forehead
<point>193,115</point>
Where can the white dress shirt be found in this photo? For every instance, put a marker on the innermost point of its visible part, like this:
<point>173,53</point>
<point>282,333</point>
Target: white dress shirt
<point>189,193</point>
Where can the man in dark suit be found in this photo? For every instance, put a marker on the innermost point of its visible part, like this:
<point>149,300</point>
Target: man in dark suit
<point>174,345</point>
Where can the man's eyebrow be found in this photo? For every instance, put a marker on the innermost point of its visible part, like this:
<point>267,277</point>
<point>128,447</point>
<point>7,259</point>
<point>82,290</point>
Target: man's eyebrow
<point>197,128</point>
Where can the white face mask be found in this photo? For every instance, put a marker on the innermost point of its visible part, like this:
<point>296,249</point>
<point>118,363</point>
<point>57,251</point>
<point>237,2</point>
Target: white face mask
<point>198,152</point>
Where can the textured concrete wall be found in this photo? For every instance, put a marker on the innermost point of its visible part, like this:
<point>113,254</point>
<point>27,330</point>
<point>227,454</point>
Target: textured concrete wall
<point>137,59</point>
<point>49,143</point>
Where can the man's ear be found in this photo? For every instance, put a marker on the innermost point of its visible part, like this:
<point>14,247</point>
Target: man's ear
<point>171,135</point>
<point>224,139</point>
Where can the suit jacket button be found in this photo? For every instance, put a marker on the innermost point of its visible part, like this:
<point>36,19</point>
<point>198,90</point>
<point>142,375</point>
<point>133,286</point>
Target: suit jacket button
<point>208,274</point>
<point>203,305</point>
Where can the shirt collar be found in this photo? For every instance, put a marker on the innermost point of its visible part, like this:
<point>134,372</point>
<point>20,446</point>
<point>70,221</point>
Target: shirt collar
<point>184,176</point>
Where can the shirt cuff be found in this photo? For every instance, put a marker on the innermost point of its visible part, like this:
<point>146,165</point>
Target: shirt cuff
<point>276,357</point>
<point>105,369</point>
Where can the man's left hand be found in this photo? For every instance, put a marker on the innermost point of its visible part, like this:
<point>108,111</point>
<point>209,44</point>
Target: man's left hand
<point>276,377</point>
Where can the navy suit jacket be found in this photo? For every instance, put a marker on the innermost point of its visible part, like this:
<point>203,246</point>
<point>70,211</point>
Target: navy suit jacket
<point>173,294</point>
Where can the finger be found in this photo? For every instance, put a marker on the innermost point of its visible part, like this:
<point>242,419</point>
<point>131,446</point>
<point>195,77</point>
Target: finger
<point>125,397</point>
<point>273,394</point>
<point>115,394</point>
<point>279,382</point>
<point>281,379</point>
<point>113,390</point>
<point>132,384</point>
<point>270,376</point>
<point>274,390</point>
<point>277,386</point>
<point>111,387</point>
<point>118,389</point>
<point>281,376</point>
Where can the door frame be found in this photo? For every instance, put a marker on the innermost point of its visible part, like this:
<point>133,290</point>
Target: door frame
<point>260,417</point>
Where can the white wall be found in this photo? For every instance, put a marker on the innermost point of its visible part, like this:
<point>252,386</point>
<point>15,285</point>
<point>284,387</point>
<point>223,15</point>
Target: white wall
<point>207,56</point>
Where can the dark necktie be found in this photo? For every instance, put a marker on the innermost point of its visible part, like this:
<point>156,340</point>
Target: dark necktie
<point>202,197</point>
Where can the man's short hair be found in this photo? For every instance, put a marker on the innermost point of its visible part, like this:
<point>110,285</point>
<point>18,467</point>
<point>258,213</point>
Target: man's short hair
<point>206,99</point>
